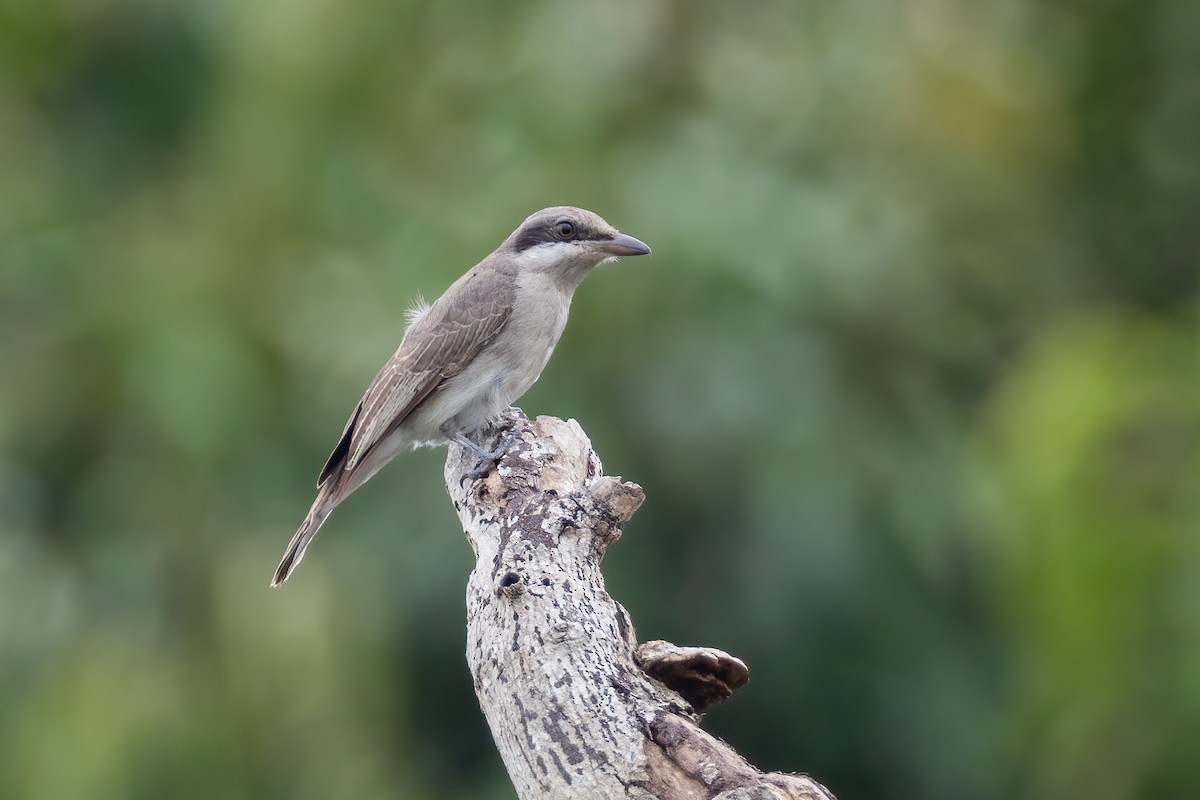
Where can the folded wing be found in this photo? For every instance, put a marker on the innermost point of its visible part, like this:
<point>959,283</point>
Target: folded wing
<point>438,346</point>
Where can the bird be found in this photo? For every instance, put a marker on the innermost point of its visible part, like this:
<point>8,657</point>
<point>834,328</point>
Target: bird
<point>467,357</point>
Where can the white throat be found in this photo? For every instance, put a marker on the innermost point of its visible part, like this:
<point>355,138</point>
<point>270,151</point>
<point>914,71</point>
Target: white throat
<point>566,262</point>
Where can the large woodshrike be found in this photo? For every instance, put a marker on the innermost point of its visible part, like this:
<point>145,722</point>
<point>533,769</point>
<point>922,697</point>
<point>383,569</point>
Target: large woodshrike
<point>467,356</point>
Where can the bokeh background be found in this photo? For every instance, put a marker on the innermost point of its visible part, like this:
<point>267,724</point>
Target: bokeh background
<point>912,380</point>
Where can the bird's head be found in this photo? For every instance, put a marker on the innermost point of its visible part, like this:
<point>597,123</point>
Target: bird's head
<point>568,242</point>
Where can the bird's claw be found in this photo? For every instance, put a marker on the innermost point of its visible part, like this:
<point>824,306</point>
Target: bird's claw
<point>482,468</point>
<point>489,459</point>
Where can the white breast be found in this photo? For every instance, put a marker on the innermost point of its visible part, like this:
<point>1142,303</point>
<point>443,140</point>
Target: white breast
<point>509,365</point>
<point>538,319</point>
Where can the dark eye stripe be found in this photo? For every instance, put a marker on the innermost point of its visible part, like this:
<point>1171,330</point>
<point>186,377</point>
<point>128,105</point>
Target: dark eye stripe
<point>532,237</point>
<point>546,233</point>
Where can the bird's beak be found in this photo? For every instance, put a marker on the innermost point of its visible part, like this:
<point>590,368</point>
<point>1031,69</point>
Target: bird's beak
<point>624,245</point>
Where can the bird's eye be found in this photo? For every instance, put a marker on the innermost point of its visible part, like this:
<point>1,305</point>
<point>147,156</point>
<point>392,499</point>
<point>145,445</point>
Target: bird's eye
<point>564,229</point>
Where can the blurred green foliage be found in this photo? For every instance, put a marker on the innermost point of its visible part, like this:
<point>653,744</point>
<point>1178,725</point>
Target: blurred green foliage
<point>912,380</point>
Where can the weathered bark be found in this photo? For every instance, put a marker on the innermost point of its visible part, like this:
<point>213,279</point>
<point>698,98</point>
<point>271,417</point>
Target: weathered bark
<point>555,661</point>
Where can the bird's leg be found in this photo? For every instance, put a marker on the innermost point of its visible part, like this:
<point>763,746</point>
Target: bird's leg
<point>487,459</point>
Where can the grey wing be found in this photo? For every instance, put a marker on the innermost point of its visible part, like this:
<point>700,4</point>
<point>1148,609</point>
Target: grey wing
<point>439,346</point>
<point>393,394</point>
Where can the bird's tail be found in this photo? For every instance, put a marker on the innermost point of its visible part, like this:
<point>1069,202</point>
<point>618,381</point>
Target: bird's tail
<point>321,508</point>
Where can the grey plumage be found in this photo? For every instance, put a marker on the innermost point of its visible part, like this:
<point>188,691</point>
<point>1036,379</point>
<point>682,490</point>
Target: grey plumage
<point>473,352</point>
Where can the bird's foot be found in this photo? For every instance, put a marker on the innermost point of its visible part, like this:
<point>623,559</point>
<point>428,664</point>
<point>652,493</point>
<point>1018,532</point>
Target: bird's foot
<point>487,459</point>
<point>482,468</point>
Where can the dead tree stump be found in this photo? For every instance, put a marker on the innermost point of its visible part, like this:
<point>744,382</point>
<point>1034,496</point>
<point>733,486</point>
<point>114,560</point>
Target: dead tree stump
<point>577,708</point>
